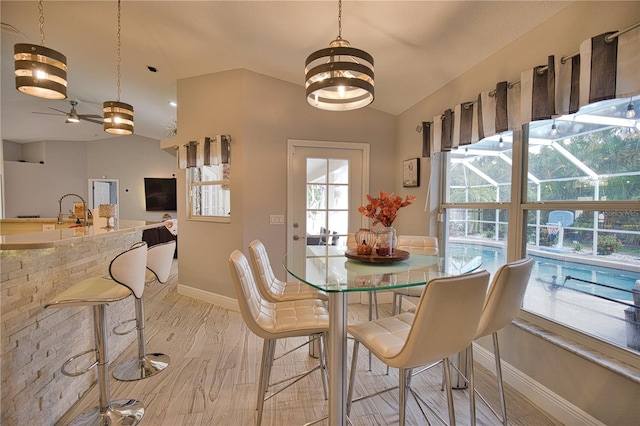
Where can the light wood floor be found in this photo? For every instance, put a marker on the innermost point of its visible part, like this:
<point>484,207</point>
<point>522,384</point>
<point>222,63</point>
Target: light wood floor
<point>215,363</point>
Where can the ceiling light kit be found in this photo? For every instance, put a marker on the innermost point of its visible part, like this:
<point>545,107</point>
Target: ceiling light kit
<point>340,77</point>
<point>40,71</point>
<point>118,116</point>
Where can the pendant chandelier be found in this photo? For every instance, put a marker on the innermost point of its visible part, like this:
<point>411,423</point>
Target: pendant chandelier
<point>118,116</point>
<point>340,77</point>
<point>40,71</point>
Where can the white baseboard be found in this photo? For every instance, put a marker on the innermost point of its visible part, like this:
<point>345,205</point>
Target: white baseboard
<point>544,398</point>
<point>205,296</point>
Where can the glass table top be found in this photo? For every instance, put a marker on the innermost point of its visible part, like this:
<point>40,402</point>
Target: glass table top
<point>339,274</point>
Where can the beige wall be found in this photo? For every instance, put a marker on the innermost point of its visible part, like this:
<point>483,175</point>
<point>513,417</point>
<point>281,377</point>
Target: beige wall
<point>260,113</point>
<point>603,394</point>
<point>34,188</point>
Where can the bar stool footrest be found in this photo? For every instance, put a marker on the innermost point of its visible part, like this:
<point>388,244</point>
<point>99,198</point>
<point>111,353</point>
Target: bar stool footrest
<point>68,373</point>
<point>120,412</point>
<point>138,369</point>
<point>123,333</point>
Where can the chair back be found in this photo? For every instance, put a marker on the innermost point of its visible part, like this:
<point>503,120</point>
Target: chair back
<point>351,242</point>
<point>256,311</point>
<point>269,286</point>
<point>504,297</point>
<point>418,244</point>
<point>160,259</point>
<point>446,319</point>
<point>129,268</point>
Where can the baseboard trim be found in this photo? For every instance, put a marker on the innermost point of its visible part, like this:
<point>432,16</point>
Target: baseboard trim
<point>205,296</point>
<point>544,398</point>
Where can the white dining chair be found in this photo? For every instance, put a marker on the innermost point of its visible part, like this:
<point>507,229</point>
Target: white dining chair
<point>501,306</point>
<point>444,323</point>
<point>277,320</point>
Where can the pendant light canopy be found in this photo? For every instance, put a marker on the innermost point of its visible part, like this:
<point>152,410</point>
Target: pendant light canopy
<point>340,77</point>
<point>118,116</point>
<point>40,71</point>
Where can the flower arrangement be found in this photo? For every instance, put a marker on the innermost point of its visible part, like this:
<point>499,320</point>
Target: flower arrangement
<point>384,209</point>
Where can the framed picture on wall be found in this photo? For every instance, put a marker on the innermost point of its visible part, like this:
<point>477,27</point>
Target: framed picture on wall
<point>411,172</point>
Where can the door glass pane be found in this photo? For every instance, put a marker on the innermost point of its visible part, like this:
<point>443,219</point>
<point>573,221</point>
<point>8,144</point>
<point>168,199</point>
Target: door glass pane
<point>338,171</point>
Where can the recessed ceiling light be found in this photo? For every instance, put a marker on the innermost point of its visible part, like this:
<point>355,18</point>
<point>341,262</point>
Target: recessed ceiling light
<point>173,103</point>
<point>152,69</point>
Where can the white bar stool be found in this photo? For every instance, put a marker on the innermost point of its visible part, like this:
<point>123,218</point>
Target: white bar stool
<point>127,271</point>
<point>159,260</point>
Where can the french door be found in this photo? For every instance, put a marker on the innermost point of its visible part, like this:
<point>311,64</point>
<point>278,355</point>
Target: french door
<point>327,181</point>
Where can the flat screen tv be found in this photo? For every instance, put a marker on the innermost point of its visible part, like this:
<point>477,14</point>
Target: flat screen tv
<point>160,194</point>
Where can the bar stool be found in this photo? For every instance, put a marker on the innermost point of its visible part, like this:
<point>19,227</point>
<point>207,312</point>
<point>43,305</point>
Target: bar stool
<point>159,260</point>
<point>127,272</point>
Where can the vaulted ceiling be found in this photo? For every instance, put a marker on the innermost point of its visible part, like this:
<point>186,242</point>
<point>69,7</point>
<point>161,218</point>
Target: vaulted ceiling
<point>418,46</point>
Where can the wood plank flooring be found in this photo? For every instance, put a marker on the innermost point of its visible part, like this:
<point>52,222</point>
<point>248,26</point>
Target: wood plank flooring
<point>215,363</point>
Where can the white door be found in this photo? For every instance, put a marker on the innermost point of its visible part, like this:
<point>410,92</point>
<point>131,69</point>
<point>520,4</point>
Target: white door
<point>327,181</point>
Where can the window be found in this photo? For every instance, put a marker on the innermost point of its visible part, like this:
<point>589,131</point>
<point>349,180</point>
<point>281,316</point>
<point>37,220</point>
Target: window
<point>210,193</point>
<point>578,215</point>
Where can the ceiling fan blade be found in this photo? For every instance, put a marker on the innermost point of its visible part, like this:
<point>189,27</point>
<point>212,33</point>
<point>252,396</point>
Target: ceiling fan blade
<point>47,113</point>
<point>91,120</point>
<point>83,116</point>
<point>59,110</point>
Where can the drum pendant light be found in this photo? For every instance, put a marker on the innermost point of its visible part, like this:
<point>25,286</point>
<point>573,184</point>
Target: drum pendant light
<point>340,77</point>
<point>118,116</point>
<point>40,71</point>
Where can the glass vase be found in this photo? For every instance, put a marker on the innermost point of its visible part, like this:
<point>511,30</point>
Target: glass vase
<point>365,240</point>
<point>387,240</point>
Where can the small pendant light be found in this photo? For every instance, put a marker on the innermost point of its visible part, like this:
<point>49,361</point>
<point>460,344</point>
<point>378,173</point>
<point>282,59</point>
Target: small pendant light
<point>118,116</point>
<point>40,71</point>
<point>340,77</point>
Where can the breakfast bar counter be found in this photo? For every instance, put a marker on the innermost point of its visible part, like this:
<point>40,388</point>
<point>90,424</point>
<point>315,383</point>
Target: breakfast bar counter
<point>35,342</point>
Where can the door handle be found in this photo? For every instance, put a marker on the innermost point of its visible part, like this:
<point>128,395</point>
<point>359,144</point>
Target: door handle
<point>296,238</point>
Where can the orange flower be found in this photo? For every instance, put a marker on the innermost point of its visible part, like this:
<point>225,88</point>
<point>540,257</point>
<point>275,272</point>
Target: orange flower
<point>384,209</point>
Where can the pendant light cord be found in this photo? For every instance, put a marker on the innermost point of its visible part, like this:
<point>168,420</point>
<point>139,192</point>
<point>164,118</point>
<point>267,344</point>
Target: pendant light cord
<point>41,20</point>
<point>339,20</point>
<point>118,50</point>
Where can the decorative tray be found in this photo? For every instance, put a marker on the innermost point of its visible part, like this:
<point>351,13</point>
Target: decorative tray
<point>396,256</point>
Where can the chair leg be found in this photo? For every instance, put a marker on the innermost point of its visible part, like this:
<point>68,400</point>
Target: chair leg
<point>268,348</point>
<point>403,386</point>
<point>503,405</point>
<point>352,375</point>
<point>447,379</point>
<point>144,365</point>
<point>323,365</point>
<point>472,387</point>
<point>370,319</point>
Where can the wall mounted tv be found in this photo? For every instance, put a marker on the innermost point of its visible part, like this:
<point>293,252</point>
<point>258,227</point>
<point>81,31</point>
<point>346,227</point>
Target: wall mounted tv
<point>160,194</point>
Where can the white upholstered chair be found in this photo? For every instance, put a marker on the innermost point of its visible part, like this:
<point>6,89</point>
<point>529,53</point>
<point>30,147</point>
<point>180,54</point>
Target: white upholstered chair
<point>159,261</point>
<point>444,323</point>
<point>271,287</point>
<point>501,306</point>
<point>413,244</point>
<point>276,320</point>
<point>126,276</point>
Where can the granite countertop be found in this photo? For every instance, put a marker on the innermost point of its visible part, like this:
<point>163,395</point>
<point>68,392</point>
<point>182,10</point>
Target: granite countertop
<point>59,237</point>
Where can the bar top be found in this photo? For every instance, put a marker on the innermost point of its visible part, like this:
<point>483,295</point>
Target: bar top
<point>59,237</point>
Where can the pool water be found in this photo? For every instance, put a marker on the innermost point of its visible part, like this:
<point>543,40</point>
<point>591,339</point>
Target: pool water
<point>607,283</point>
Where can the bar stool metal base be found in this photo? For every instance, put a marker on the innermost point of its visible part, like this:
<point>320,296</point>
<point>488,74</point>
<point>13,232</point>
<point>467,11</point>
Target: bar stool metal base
<point>138,369</point>
<point>121,412</point>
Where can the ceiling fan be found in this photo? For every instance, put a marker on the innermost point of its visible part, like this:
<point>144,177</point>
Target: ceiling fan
<point>73,116</point>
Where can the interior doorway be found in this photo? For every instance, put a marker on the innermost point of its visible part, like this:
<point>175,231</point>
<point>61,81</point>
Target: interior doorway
<point>103,191</point>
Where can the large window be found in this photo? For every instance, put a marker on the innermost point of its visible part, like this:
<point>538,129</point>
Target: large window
<point>571,203</point>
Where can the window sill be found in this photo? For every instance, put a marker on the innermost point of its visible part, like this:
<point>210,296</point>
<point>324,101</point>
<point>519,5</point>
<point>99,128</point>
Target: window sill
<point>613,358</point>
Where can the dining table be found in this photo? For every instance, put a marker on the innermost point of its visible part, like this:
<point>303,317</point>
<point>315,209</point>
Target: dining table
<point>340,273</point>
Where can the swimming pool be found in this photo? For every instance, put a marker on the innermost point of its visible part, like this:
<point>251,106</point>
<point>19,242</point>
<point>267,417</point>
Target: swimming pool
<point>612,283</point>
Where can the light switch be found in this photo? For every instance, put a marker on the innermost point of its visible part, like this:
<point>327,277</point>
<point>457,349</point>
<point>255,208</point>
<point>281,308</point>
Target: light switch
<point>276,219</point>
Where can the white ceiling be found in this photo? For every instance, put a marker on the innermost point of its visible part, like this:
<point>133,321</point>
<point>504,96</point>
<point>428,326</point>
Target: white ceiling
<point>418,46</point>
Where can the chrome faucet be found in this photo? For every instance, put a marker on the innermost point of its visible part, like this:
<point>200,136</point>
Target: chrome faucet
<point>60,221</point>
